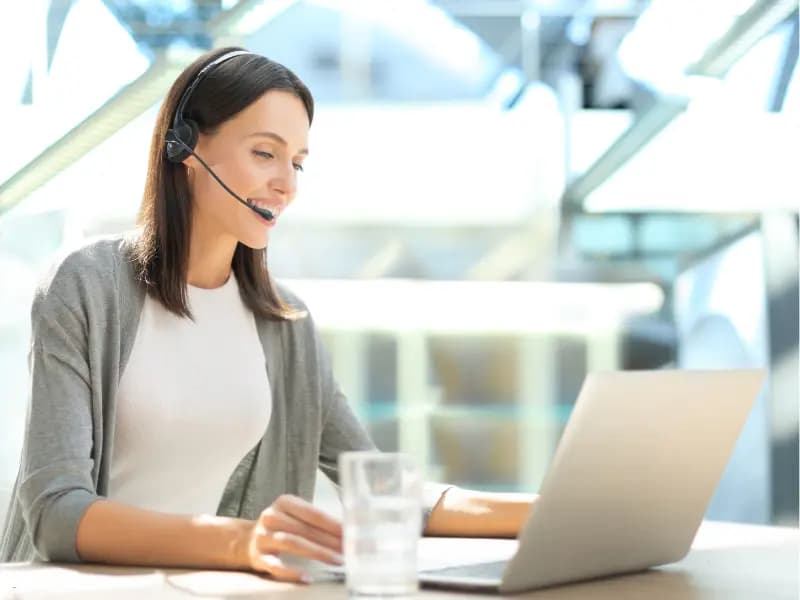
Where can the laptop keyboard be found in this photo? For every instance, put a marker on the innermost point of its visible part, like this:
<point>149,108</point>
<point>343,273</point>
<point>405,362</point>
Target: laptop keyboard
<point>489,570</point>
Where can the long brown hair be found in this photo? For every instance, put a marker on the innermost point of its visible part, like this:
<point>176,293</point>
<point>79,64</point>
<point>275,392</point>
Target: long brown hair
<point>161,251</point>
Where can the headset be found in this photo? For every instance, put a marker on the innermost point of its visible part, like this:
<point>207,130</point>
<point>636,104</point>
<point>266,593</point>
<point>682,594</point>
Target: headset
<point>182,137</point>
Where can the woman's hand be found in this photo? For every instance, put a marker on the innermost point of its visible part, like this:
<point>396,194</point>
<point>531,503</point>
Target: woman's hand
<point>292,526</point>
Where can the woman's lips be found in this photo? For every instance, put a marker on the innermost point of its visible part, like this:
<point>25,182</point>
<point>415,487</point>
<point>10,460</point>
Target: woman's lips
<point>264,204</point>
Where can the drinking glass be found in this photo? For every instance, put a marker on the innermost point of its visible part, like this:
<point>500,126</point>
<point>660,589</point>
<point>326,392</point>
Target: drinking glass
<point>382,502</point>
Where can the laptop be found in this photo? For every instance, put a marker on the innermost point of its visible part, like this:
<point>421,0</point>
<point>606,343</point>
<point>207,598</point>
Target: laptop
<point>629,483</point>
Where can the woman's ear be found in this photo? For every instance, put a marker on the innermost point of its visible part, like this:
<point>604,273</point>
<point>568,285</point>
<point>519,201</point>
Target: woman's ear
<point>190,162</point>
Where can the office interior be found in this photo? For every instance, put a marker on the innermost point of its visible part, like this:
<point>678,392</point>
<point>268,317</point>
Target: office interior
<point>501,196</point>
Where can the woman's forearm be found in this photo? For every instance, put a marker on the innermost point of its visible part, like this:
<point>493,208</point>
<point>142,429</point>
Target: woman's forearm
<point>468,513</point>
<point>114,533</point>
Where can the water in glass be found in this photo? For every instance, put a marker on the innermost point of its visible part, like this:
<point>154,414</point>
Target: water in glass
<point>380,537</point>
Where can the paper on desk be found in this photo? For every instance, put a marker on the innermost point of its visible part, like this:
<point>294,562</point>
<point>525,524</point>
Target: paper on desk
<point>438,553</point>
<point>224,583</point>
<point>76,581</point>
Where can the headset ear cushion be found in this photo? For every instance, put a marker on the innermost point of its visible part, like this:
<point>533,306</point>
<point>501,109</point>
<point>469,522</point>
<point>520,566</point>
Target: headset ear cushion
<point>187,132</point>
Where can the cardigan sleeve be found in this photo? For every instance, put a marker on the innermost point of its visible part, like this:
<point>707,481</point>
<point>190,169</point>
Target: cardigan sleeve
<point>56,485</point>
<point>341,432</point>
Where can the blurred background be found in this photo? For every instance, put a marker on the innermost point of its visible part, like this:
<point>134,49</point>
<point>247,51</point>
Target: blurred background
<point>502,195</point>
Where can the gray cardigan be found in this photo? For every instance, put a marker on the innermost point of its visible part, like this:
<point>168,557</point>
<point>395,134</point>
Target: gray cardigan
<point>84,320</point>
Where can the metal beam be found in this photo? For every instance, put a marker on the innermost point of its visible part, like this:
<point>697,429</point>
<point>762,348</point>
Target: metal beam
<point>124,106</point>
<point>788,65</point>
<point>781,266</point>
<point>746,31</point>
<point>651,122</point>
<point>750,27</point>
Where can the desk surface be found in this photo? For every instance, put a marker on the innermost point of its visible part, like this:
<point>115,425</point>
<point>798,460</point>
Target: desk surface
<point>728,561</point>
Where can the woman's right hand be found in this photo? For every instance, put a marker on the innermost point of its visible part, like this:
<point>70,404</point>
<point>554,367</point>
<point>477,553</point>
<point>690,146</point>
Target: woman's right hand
<point>292,526</point>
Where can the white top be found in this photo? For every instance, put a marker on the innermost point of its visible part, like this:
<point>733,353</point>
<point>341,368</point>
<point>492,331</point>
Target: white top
<point>193,400</point>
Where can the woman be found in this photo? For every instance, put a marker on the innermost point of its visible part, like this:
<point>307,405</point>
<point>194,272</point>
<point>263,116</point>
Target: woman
<point>148,362</point>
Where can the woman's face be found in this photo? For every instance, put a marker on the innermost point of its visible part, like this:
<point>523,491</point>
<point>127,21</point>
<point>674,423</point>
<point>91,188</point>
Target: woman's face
<point>258,154</point>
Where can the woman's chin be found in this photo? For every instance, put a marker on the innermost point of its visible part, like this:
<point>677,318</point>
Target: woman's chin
<point>255,242</point>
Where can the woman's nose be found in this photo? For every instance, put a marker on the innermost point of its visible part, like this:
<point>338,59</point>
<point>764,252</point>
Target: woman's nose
<point>285,182</point>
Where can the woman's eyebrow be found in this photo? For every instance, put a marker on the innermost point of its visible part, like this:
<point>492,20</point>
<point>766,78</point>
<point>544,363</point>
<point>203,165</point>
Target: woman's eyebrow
<point>277,138</point>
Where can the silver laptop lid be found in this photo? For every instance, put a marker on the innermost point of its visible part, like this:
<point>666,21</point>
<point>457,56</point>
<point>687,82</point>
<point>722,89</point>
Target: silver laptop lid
<point>633,473</point>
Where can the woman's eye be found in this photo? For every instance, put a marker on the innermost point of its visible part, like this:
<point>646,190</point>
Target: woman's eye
<point>268,155</point>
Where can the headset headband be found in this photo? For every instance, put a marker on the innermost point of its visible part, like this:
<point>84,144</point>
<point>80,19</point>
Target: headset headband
<point>198,78</point>
<point>182,138</point>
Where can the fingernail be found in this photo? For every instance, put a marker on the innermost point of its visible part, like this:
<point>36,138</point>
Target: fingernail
<point>306,579</point>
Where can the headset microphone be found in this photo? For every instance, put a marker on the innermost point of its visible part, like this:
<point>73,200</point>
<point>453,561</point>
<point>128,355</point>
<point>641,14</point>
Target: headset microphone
<point>182,138</point>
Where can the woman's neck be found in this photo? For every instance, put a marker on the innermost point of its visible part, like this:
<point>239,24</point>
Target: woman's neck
<point>210,257</point>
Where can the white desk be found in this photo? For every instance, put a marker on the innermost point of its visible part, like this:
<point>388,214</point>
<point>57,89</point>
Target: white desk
<point>727,562</point>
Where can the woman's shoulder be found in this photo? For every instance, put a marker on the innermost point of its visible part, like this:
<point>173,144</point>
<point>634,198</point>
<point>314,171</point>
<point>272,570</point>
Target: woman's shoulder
<point>300,323</point>
<point>90,267</point>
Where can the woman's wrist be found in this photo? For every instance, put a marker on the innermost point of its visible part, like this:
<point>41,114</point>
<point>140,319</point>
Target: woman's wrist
<point>232,550</point>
